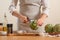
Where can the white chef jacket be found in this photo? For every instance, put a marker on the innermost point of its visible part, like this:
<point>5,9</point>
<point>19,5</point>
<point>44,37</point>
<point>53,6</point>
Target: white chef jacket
<point>31,9</point>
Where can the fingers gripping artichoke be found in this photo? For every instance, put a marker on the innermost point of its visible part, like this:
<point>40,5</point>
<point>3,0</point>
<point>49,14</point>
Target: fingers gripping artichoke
<point>33,25</point>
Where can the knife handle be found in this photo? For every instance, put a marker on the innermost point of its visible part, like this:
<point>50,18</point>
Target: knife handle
<point>28,19</point>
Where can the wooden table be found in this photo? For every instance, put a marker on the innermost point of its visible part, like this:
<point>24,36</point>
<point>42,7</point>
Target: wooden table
<point>28,38</point>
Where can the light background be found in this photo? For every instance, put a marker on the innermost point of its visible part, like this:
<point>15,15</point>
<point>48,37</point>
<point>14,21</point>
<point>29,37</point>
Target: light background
<point>54,13</point>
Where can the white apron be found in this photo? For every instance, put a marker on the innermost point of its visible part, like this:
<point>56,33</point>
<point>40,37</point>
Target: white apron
<point>30,9</point>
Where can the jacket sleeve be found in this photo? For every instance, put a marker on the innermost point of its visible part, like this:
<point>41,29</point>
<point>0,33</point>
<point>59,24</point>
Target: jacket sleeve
<point>45,6</point>
<point>13,5</point>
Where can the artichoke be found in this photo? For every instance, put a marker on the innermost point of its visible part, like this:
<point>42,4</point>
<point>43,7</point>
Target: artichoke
<point>49,28</point>
<point>56,28</point>
<point>33,25</point>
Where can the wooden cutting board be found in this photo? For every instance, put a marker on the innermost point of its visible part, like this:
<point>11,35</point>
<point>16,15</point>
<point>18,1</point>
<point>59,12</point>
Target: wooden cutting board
<point>28,34</point>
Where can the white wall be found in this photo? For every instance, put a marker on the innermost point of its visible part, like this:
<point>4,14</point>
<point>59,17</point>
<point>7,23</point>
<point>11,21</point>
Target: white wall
<point>54,14</point>
<point>4,4</point>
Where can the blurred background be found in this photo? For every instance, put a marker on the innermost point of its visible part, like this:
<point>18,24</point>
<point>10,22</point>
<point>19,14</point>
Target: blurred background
<point>53,18</point>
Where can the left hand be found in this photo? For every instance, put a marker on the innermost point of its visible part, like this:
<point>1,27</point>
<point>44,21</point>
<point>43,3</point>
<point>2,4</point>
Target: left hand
<point>40,22</point>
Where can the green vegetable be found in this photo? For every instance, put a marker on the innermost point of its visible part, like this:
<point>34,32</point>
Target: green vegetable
<point>49,28</point>
<point>56,28</point>
<point>33,25</point>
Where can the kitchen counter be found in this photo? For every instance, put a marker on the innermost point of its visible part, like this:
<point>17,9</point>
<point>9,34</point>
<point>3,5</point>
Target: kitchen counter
<point>28,38</point>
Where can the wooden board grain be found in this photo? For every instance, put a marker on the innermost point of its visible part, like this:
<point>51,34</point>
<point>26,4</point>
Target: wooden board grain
<point>28,38</point>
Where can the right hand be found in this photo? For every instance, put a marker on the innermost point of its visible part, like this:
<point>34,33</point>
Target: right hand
<point>24,19</point>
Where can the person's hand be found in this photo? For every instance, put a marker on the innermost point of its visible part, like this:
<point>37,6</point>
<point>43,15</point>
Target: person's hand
<point>20,16</point>
<point>40,22</point>
<point>24,19</point>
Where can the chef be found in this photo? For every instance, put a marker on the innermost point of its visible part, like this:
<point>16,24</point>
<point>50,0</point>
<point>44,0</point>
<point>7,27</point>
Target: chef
<point>29,9</point>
